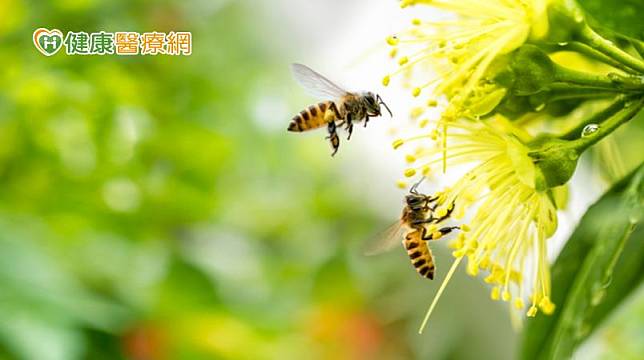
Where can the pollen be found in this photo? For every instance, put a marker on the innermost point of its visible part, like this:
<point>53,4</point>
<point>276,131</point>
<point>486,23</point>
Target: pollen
<point>463,49</point>
<point>495,294</point>
<point>485,263</point>
<point>398,143</point>
<point>385,80</point>
<point>532,312</point>
<point>401,184</point>
<point>459,253</point>
<point>546,306</point>
<point>393,52</point>
<point>410,172</point>
<point>434,134</point>
<point>508,220</point>
<point>392,40</point>
<point>472,269</point>
<point>416,112</point>
<point>426,170</point>
<point>410,158</point>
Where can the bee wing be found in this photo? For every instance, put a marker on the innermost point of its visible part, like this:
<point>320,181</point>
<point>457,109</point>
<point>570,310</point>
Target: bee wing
<point>316,84</point>
<point>387,239</point>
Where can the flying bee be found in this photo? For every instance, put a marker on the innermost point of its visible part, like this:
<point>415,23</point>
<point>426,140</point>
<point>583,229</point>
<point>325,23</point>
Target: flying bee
<point>418,211</point>
<point>342,107</point>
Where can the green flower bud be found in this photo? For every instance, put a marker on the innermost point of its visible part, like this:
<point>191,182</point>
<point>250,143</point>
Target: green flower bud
<point>566,20</point>
<point>555,161</point>
<point>533,70</point>
<point>505,78</point>
<point>513,106</point>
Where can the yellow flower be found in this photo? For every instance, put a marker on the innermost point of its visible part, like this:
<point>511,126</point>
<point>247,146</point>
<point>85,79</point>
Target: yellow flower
<point>462,50</point>
<point>510,220</point>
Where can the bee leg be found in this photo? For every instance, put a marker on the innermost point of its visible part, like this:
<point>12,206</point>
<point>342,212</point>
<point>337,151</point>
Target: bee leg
<point>333,137</point>
<point>434,220</point>
<point>366,120</point>
<point>449,212</point>
<point>443,231</point>
<point>349,126</point>
<point>424,236</point>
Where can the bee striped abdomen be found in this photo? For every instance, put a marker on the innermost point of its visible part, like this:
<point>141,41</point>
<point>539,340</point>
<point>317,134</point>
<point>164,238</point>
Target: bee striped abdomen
<point>313,117</point>
<point>419,254</point>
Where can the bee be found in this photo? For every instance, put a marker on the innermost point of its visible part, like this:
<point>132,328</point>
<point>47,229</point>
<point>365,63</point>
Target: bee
<point>418,211</point>
<point>343,108</point>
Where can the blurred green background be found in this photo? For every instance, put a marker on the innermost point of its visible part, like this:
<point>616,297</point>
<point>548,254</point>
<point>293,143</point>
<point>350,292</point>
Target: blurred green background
<point>146,212</point>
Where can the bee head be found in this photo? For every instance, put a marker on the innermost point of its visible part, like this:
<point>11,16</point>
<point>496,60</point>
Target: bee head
<point>415,201</point>
<point>373,102</point>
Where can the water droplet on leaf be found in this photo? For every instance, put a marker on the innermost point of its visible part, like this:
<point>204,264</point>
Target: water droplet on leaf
<point>589,130</point>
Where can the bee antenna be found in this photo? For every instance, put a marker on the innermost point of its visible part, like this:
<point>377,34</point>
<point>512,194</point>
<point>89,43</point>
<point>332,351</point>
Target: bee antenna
<point>413,189</point>
<point>383,103</point>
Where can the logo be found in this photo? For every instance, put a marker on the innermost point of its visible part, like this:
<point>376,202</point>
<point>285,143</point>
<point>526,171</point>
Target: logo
<point>48,42</point>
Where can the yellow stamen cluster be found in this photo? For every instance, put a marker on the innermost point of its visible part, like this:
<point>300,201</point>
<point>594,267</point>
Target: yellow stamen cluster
<point>461,51</point>
<point>506,236</point>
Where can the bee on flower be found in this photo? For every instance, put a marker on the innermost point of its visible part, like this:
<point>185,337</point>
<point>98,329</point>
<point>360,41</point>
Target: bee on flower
<point>510,220</point>
<point>490,66</point>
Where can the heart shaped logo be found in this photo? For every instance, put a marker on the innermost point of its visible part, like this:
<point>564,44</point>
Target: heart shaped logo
<point>48,42</point>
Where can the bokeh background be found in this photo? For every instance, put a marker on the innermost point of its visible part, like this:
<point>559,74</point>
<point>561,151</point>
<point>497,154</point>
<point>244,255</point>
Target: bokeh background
<point>154,207</point>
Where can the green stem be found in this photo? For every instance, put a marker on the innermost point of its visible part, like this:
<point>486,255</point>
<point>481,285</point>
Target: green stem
<point>598,118</point>
<point>591,53</point>
<point>628,111</point>
<point>581,93</point>
<point>611,81</point>
<point>639,47</point>
<point>595,41</point>
<point>567,87</point>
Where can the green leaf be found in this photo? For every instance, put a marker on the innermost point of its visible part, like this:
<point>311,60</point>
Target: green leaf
<point>623,16</point>
<point>595,272</point>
